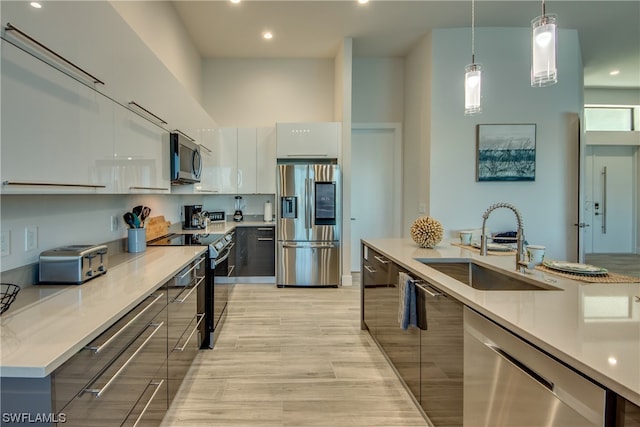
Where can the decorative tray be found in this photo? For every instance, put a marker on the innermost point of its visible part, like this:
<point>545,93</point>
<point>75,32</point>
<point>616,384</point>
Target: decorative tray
<point>575,268</point>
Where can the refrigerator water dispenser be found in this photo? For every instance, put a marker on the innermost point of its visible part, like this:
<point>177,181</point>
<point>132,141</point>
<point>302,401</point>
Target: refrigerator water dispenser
<point>289,207</point>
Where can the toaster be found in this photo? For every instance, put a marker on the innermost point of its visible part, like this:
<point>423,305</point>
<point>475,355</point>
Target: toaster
<point>73,264</point>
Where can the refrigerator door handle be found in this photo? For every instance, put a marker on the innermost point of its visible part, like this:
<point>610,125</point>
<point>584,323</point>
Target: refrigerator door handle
<point>311,245</point>
<point>307,206</point>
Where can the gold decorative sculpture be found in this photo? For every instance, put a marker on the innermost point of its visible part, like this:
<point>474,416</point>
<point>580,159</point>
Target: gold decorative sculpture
<point>427,232</point>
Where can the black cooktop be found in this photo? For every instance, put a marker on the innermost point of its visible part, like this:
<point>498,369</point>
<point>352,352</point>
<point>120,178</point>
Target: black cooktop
<point>185,240</point>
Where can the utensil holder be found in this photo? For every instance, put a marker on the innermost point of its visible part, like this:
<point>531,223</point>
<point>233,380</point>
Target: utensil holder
<point>137,240</point>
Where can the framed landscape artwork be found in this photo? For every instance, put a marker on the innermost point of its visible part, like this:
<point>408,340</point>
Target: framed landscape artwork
<point>506,152</point>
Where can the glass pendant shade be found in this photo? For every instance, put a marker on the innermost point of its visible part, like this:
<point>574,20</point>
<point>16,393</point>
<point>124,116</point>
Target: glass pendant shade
<point>543,53</point>
<point>472,86</point>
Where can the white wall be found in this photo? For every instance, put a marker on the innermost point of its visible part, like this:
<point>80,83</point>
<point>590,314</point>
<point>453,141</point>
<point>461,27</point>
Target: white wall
<point>417,123</point>
<point>261,92</point>
<point>158,25</point>
<point>378,90</point>
<point>548,204</point>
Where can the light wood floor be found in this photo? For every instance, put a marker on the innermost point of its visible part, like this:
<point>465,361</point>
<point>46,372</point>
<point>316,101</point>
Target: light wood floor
<point>293,357</point>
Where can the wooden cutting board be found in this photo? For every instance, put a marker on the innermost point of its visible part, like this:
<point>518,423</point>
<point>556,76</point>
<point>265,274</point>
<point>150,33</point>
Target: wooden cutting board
<point>156,227</point>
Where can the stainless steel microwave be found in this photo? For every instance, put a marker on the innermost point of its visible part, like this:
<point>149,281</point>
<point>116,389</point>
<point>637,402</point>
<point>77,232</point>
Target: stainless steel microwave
<point>186,160</point>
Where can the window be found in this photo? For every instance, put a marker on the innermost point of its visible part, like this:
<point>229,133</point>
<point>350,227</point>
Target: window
<point>608,118</point>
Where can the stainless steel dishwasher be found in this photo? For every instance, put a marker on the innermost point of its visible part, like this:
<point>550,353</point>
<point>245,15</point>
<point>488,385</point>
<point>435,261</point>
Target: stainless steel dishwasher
<point>509,382</point>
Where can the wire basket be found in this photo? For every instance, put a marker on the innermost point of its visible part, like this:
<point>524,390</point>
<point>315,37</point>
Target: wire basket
<point>8,293</point>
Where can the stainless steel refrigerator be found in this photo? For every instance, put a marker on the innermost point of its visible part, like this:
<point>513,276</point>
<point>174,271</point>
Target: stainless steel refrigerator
<point>309,217</point>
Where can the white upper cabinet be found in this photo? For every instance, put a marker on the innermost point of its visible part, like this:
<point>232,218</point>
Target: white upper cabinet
<point>247,160</point>
<point>140,161</point>
<point>227,168</point>
<point>308,140</point>
<point>81,130</point>
<point>57,133</point>
<point>209,150</point>
<point>266,160</point>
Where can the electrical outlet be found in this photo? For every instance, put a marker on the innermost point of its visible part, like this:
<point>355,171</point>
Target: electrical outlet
<point>30,238</point>
<point>6,243</point>
<point>422,208</point>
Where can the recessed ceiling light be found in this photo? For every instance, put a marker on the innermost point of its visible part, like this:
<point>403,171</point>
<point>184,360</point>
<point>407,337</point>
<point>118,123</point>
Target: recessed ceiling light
<point>36,5</point>
<point>614,72</point>
<point>363,1</point>
<point>235,1</point>
<point>267,35</point>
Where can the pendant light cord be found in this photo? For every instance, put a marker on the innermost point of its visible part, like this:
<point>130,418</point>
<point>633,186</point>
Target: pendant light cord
<point>543,9</point>
<point>473,32</point>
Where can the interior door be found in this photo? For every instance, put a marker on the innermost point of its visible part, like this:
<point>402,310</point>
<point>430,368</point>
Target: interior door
<point>374,187</point>
<point>610,204</point>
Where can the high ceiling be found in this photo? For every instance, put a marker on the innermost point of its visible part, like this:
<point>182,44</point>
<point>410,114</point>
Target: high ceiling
<point>609,31</point>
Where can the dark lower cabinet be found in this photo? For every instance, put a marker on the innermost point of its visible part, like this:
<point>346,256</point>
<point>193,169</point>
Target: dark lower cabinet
<point>129,374</point>
<point>255,251</point>
<point>430,358</point>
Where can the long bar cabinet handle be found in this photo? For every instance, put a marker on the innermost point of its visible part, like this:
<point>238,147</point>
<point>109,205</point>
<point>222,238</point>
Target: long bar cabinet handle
<point>265,239</point>
<point>11,27</point>
<point>99,348</point>
<point>381,260</point>
<point>158,385</point>
<point>148,188</point>
<point>185,135</point>
<point>99,391</point>
<point>200,317</point>
<point>370,269</point>
<point>140,107</point>
<point>195,266</point>
<point>52,184</point>
<point>193,288</point>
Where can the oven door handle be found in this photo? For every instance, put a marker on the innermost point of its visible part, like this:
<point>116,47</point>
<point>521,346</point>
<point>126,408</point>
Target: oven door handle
<point>225,256</point>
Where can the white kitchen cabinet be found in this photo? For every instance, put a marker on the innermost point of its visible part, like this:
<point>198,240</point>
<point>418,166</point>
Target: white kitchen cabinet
<point>140,161</point>
<point>247,160</point>
<point>86,40</point>
<point>209,182</point>
<point>227,168</point>
<point>266,160</point>
<point>55,130</point>
<point>308,140</point>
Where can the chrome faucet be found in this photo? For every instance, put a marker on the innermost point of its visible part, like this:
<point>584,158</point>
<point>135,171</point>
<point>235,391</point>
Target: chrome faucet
<point>520,256</point>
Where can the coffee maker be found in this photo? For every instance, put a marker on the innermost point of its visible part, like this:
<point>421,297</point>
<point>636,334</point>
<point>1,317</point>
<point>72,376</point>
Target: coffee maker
<point>237,215</point>
<point>193,218</point>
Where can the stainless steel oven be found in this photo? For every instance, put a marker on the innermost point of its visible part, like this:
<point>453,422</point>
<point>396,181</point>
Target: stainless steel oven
<point>219,274</point>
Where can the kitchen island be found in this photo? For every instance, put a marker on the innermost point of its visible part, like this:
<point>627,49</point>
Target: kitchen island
<point>602,344</point>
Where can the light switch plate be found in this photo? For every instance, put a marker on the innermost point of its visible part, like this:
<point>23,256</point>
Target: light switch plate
<point>6,243</point>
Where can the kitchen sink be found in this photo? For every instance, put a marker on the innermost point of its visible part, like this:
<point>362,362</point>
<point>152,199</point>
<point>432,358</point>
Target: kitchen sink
<point>486,279</point>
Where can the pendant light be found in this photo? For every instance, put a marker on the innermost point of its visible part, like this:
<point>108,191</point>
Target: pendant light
<point>472,75</point>
<point>543,50</point>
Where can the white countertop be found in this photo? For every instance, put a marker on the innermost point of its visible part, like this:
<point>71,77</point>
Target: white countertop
<point>38,338</point>
<point>603,344</point>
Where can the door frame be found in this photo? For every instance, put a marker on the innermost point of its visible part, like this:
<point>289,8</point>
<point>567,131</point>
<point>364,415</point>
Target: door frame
<point>395,221</point>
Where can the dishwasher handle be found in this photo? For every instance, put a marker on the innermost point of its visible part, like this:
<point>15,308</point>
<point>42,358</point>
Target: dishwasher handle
<point>548,384</point>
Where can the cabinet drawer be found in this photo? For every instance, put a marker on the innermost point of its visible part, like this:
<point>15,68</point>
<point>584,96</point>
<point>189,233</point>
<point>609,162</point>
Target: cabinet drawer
<point>72,377</point>
<point>115,392</point>
<point>151,405</point>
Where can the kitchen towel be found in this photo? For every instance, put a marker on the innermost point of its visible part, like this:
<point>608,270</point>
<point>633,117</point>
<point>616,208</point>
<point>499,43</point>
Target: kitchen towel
<point>407,313</point>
